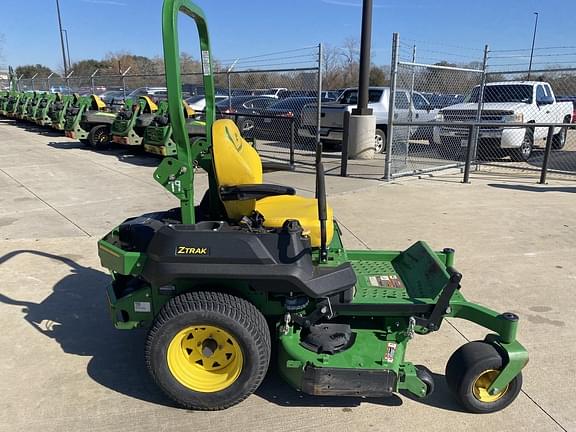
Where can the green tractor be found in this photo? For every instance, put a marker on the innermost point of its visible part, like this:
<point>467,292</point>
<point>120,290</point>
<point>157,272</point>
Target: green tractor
<point>59,108</point>
<point>43,111</point>
<point>13,103</point>
<point>158,138</point>
<point>255,268</point>
<point>129,125</point>
<point>89,120</point>
<point>25,102</point>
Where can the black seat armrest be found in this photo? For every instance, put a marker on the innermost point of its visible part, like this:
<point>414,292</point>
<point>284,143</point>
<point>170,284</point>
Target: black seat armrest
<point>253,191</point>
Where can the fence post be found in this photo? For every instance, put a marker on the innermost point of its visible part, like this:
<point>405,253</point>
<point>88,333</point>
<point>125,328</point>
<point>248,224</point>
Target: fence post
<point>319,148</point>
<point>391,107</point>
<point>32,81</point>
<point>412,83</point>
<point>345,139</point>
<point>229,79</point>
<point>292,138</point>
<point>92,80</point>
<point>48,82</point>
<point>124,82</point>
<point>549,140</point>
<point>475,131</point>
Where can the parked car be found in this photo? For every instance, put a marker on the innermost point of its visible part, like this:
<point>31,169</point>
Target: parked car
<point>280,116</point>
<point>198,103</point>
<point>439,101</point>
<point>65,90</point>
<point>112,95</point>
<point>505,102</point>
<point>332,115</point>
<point>240,108</point>
<point>145,91</point>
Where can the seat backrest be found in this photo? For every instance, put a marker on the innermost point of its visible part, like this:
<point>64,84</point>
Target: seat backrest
<point>235,163</point>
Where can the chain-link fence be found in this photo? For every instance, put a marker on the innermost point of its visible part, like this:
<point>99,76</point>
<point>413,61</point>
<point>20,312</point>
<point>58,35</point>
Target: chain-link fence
<point>264,94</point>
<point>482,115</point>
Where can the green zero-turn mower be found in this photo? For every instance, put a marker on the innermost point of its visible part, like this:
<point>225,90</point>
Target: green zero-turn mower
<point>25,102</point>
<point>43,110</point>
<point>89,120</point>
<point>4,97</point>
<point>130,124</point>
<point>255,267</point>
<point>59,109</point>
<point>32,107</point>
<point>13,103</point>
<point>158,138</point>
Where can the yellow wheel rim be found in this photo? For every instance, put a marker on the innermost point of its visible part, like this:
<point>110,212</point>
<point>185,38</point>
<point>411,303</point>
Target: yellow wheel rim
<point>205,358</point>
<point>482,384</point>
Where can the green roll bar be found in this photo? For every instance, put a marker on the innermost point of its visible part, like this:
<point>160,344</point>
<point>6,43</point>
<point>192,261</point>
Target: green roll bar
<point>177,174</point>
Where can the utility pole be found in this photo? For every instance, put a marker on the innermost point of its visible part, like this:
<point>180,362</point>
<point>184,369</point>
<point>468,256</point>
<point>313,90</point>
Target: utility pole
<point>361,133</point>
<point>61,37</point>
<point>533,41</point>
<point>67,49</point>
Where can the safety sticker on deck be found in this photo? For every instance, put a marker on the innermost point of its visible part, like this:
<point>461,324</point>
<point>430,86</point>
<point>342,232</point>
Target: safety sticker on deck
<point>390,351</point>
<point>386,281</point>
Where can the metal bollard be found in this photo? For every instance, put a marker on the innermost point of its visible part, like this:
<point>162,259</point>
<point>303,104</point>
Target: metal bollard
<point>469,152</point>
<point>544,170</point>
<point>344,159</point>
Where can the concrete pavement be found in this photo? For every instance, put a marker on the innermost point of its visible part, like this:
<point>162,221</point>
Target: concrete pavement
<point>63,367</point>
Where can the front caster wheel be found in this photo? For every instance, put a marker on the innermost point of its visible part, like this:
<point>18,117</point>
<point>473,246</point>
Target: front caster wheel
<point>208,350</point>
<point>469,373</point>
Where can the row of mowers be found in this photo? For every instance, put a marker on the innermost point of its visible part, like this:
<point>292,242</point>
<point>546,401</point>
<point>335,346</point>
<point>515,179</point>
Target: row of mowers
<point>142,122</point>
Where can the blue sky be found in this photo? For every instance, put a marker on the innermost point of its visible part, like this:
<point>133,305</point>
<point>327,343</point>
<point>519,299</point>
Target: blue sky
<point>244,28</point>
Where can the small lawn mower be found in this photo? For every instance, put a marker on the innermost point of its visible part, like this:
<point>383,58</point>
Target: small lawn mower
<point>129,125</point>
<point>58,110</point>
<point>43,110</point>
<point>89,120</point>
<point>158,138</point>
<point>255,267</point>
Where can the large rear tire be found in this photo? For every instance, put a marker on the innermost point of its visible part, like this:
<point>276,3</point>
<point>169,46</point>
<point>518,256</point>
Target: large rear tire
<point>208,350</point>
<point>99,137</point>
<point>469,373</point>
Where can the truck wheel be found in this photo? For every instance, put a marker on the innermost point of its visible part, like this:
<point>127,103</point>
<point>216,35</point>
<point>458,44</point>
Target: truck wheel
<point>559,140</point>
<point>99,137</point>
<point>380,141</point>
<point>469,373</point>
<point>208,350</point>
<point>523,153</point>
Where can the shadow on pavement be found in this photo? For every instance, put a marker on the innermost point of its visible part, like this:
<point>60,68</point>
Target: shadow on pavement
<point>132,155</point>
<point>526,188</point>
<point>75,315</point>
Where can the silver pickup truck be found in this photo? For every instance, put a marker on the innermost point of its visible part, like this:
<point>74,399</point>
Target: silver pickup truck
<point>332,115</point>
<point>507,102</point>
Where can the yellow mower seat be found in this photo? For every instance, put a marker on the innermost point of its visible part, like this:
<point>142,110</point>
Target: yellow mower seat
<point>236,163</point>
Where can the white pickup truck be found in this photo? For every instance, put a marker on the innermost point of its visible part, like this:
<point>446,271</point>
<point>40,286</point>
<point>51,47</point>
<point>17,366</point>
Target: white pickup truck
<point>332,115</point>
<point>506,102</point>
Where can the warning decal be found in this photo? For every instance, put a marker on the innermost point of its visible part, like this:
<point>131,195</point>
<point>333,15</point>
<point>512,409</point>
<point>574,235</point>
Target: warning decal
<point>386,281</point>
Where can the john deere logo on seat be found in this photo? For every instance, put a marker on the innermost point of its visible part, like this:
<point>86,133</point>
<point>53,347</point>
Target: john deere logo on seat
<point>185,250</point>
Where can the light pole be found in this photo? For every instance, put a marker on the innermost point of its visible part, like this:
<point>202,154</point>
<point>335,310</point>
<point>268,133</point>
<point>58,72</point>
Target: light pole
<point>67,49</point>
<point>533,41</point>
<point>61,37</point>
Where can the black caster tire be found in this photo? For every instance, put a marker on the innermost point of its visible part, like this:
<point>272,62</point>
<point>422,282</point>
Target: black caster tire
<point>208,350</point>
<point>425,375</point>
<point>469,372</point>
